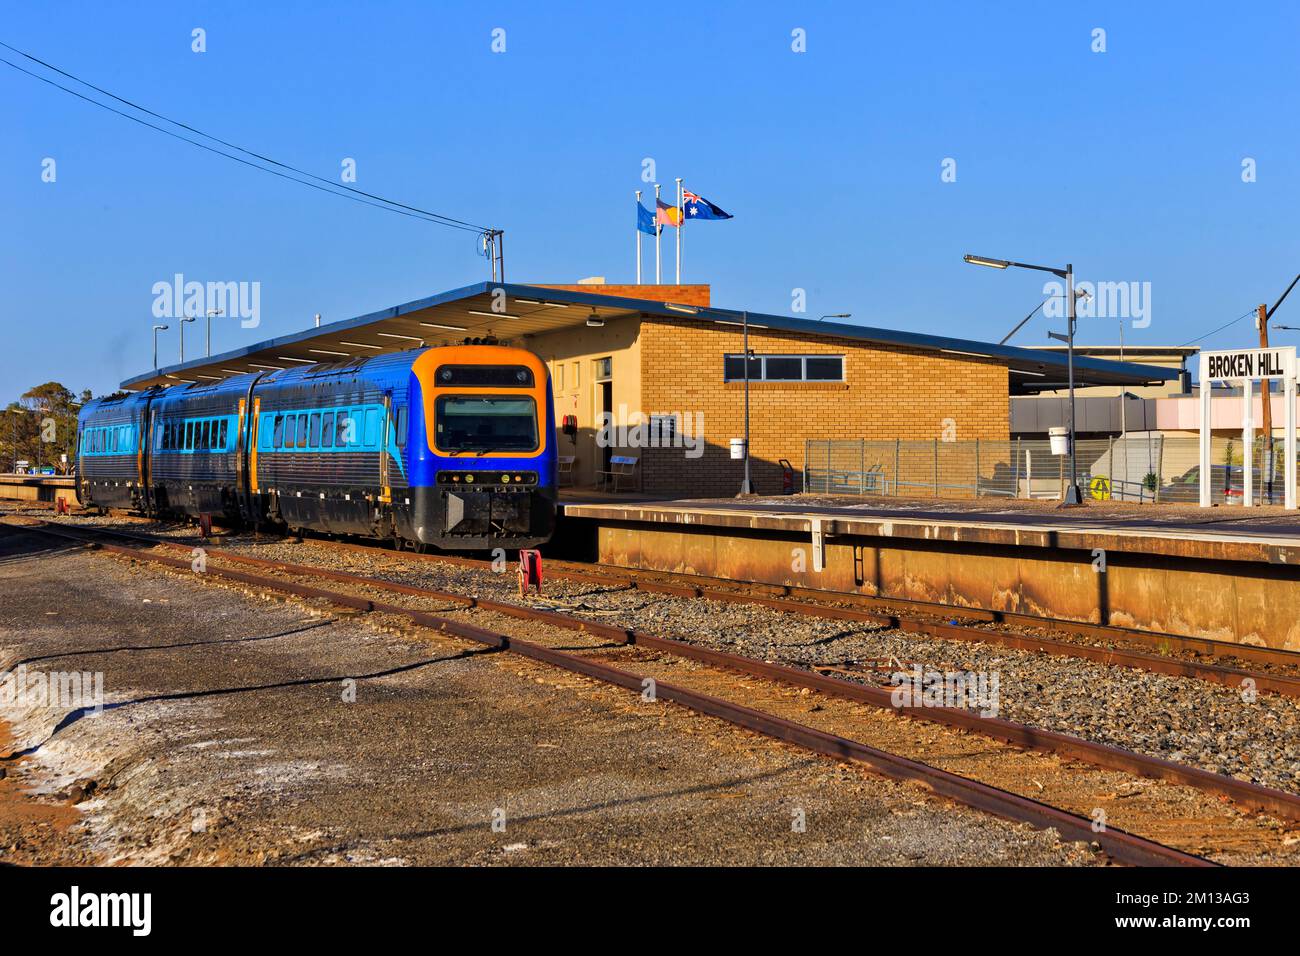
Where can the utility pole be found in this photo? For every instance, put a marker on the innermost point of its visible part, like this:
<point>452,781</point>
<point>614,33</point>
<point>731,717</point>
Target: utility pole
<point>1266,419</point>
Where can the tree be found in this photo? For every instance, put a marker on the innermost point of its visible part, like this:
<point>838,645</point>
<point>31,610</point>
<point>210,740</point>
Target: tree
<point>42,426</point>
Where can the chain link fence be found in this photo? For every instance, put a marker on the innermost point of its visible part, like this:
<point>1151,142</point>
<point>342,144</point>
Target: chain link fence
<point>1144,468</point>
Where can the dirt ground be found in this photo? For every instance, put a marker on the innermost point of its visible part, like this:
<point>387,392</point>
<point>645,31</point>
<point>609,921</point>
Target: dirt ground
<point>241,729</point>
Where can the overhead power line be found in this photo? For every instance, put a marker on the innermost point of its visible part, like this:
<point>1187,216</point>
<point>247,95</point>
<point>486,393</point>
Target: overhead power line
<point>1244,315</point>
<point>348,192</point>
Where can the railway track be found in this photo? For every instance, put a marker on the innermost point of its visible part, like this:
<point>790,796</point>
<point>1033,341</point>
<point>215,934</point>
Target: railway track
<point>1156,652</point>
<point>928,618</point>
<point>286,578</point>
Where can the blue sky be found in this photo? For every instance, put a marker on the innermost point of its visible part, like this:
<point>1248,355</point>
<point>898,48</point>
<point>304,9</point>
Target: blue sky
<point>1127,163</point>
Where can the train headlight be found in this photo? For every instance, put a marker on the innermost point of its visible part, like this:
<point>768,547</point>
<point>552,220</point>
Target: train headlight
<point>469,478</point>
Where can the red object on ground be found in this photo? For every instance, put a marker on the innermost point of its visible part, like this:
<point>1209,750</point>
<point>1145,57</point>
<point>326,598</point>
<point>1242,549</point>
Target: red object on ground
<point>205,526</point>
<point>530,570</point>
<point>60,505</point>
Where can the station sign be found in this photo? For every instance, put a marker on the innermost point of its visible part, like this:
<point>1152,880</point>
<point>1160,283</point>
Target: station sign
<point>1250,363</point>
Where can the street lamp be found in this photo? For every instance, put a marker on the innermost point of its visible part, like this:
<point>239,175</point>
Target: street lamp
<point>1072,494</point>
<point>184,319</point>
<point>837,315</point>
<point>211,313</point>
<point>156,330</point>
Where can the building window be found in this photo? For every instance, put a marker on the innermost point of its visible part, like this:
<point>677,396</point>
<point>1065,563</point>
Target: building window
<point>785,368</point>
<point>559,376</point>
<point>604,369</point>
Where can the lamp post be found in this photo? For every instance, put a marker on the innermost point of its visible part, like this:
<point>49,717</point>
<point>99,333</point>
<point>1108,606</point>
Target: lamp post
<point>1073,496</point>
<point>184,319</point>
<point>208,343</point>
<point>156,330</point>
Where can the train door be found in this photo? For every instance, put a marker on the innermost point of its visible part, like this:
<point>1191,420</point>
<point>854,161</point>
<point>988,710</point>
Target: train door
<point>148,425</point>
<point>385,492</point>
<point>246,453</point>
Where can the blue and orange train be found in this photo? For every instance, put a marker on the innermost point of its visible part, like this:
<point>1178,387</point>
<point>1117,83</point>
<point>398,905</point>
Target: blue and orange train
<point>452,448</point>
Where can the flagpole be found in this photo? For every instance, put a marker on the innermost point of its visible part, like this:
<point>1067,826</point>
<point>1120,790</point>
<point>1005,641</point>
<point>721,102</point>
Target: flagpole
<point>659,276</point>
<point>638,237</point>
<point>680,222</point>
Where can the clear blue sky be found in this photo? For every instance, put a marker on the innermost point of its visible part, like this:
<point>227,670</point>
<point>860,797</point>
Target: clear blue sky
<point>1127,163</point>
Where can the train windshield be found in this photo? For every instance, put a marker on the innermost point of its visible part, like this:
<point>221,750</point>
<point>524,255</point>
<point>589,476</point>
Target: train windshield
<point>486,423</point>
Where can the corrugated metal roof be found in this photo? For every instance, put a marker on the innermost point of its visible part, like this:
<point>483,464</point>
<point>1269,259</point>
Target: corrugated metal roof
<point>512,311</point>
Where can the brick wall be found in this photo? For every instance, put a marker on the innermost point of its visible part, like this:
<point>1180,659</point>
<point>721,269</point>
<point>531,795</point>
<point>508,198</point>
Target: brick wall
<point>889,392</point>
<point>681,294</point>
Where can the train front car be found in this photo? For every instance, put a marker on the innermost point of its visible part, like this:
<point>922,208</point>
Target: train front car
<point>483,451</point>
<point>112,468</point>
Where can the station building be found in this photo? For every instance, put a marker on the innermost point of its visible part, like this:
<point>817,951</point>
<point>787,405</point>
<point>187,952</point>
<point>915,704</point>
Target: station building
<point>655,373</point>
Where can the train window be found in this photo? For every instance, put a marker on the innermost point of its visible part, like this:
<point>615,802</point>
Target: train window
<point>302,430</point>
<point>225,423</point>
<point>327,430</point>
<point>277,439</point>
<point>205,442</point>
<point>290,421</point>
<point>343,430</point>
<point>372,428</point>
<point>485,423</point>
<point>401,426</point>
<point>313,430</point>
<point>188,441</point>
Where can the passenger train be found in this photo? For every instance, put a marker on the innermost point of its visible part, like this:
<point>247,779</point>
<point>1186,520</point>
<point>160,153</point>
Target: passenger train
<point>451,448</point>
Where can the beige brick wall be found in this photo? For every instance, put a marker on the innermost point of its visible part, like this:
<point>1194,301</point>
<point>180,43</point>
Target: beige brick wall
<point>889,392</point>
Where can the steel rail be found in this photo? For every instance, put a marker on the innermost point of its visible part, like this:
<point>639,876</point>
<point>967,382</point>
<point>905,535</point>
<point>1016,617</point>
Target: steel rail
<point>1252,795</point>
<point>1122,846</point>
<point>777,597</point>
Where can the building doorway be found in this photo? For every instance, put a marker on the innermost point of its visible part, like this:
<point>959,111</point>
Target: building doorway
<point>605,397</point>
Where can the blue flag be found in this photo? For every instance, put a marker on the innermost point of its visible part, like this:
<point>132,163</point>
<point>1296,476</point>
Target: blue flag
<point>645,219</point>
<point>697,207</point>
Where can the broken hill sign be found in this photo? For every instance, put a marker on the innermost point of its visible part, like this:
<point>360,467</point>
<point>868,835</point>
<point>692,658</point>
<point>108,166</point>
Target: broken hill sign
<point>1244,366</point>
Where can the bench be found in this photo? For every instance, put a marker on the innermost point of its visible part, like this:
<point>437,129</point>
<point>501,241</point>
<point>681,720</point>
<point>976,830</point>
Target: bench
<point>620,467</point>
<point>564,470</point>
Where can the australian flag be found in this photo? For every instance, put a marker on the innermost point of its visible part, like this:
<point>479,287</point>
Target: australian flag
<point>645,219</point>
<point>697,207</point>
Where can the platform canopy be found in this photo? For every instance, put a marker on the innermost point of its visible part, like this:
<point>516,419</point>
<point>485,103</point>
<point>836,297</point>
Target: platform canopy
<point>512,312</point>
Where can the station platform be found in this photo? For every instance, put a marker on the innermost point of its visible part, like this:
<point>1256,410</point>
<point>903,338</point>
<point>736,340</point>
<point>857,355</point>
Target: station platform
<point>38,487</point>
<point>1223,573</point>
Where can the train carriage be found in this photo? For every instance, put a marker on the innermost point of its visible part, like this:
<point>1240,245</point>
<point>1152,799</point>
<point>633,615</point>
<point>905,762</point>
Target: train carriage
<point>111,464</point>
<point>328,446</point>
<point>194,449</point>
<point>450,447</point>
